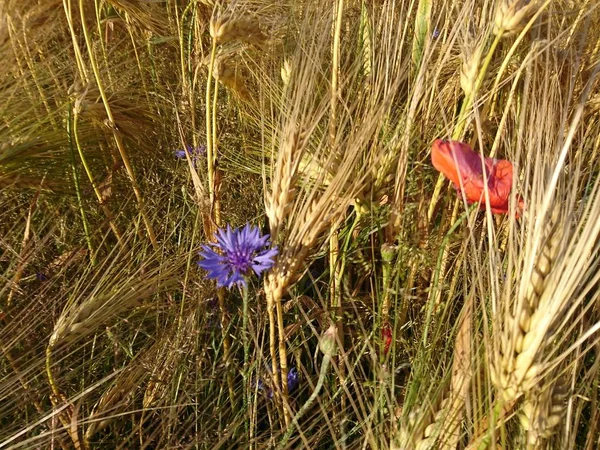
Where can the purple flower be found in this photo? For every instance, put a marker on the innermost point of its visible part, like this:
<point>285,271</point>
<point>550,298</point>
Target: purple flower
<point>41,276</point>
<point>293,379</point>
<point>195,152</point>
<point>235,254</point>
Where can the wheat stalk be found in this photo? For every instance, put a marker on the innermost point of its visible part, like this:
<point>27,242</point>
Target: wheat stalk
<point>439,427</point>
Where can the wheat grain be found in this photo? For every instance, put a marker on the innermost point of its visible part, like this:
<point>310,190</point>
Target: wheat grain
<point>226,28</point>
<point>511,14</point>
<point>542,412</point>
<point>519,365</point>
<point>231,76</point>
<point>470,67</point>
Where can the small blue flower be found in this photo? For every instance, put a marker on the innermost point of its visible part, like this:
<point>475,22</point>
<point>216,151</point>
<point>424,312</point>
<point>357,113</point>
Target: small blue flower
<point>235,254</point>
<point>436,33</point>
<point>293,379</point>
<point>41,276</point>
<point>195,152</point>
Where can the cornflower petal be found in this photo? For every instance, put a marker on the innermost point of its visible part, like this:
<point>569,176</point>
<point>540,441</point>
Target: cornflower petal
<point>235,254</point>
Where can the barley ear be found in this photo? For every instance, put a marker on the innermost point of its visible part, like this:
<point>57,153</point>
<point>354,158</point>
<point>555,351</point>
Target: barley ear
<point>511,14</point>
<point>470,68</point>
<point>227,28</point>
<point>230,75</point>
<point>521,343</point>
<point>542,412</point>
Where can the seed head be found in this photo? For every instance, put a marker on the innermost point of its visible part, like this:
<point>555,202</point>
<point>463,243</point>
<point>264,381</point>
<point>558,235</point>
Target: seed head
<point>328,344</point>
<point>512,13</point>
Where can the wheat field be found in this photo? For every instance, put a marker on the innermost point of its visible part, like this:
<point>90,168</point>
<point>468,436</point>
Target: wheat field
<point>221,228</point>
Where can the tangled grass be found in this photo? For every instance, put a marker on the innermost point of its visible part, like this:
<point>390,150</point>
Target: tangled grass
<point>395,315</point>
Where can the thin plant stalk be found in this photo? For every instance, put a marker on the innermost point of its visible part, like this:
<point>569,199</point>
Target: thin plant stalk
<point>86,227</point>
<point>434,293</point>
<point>210,156</point>
<point>295,420</point>
<point>246,342</point>
<point>334,244</point>
<point>283,360</point>
<point>86,167</point>
<point>273,348</point>
<point>118,141</point>
<point>65,418</point>
<point>216,202</point>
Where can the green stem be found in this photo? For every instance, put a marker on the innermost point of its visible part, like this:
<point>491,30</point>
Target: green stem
<point>295,424</point>
<point>246,341</point>
<point>86,227</point>
<point>436,277</point>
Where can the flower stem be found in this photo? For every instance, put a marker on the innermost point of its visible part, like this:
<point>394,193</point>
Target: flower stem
<point>434,293</point>
<point>86,227</point>
<point>246,341</point>
<point>295,424</point>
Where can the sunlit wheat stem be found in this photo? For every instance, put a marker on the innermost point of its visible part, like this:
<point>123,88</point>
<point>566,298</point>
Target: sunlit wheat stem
<point>116,134</point>
<point>86,167</point>
<point>210,151</point>
<point>283,364</point>
<point>66,417</point>
<point>275,367</point>
<point>78,56</point>
<point>86,227</point>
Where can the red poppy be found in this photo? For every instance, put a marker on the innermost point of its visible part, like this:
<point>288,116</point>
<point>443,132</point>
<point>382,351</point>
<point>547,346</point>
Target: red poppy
<point>463,166</point>
<point>386,334</point>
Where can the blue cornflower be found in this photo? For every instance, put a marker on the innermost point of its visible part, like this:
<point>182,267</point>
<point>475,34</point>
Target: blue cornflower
<point>293,380</point>
<point>235,253</point>
<point>195,152</point>
<point>41,276</point>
